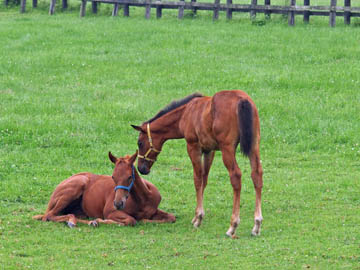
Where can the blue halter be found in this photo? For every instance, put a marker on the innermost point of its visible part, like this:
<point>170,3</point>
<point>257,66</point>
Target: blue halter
<point>132,182</point>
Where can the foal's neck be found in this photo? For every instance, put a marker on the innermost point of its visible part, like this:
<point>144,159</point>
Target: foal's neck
<point>140,191</point>
<point>168,124</point>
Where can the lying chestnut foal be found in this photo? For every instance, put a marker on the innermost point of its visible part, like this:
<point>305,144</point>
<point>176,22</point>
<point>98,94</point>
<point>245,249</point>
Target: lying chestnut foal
<point>123,198</point>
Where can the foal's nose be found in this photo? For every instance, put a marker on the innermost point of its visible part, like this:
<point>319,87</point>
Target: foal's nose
<point>143,169</point>
<point>119,205</point>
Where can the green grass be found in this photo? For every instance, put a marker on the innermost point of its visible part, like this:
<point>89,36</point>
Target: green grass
<point>70,88</point>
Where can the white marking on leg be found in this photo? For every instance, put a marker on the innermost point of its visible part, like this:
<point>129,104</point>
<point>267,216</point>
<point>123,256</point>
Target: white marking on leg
<point>233,226</point>
<point>257,224</point>
<point>71,224</point>
<point>199,215</point>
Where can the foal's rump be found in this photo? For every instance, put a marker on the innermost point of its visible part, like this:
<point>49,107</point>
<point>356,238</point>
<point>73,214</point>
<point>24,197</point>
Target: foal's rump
<point>67,197</point>
<point>231,109</point>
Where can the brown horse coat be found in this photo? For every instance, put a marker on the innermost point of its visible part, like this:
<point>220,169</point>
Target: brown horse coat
<point>87,195</point>
<point>220,122</point>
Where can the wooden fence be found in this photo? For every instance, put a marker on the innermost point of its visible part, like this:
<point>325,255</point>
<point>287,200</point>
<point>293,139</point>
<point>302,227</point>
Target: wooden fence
<point>305,9</point>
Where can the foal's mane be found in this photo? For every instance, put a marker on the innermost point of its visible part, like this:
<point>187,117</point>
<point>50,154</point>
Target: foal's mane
<point>174,105</point>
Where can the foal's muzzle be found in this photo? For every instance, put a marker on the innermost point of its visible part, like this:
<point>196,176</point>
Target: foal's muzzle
<point>143,169</point>
<point>120,205</point>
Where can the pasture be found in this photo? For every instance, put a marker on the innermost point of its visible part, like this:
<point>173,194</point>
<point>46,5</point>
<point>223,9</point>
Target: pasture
<point>71,87</point>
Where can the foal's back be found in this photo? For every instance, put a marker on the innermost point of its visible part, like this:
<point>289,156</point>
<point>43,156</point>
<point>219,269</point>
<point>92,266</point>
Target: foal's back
<point>206,118</point>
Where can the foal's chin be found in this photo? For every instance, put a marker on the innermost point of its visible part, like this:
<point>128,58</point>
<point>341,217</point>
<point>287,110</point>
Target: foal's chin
<point>119,208</point>
<point>120,205</point>
<point>144,166</point>
<point>144,170</point>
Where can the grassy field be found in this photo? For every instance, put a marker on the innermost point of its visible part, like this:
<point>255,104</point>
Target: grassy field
<point>70,88</point>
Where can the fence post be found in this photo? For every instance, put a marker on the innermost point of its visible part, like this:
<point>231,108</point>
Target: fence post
<point>228,9</point>
<point>306,13</point>
<point>194,10</point>
<point>291,18</point>
<point>347,3</point>
<point>115,10</point>
<point>83,8</point>
<point>332,15</point>
<point>22,6</point>
<point>216,9</point>
<point>35,3</point>
<point>64,4</point>
<point>94,7</point>
<point>253,11</point>
<point>126,10</point>
<point>158,11</point>
<point>6,2</point>
<point>181,9</point>
<point>52,7</point>
<point>148,9</point>
<point>267,12</point>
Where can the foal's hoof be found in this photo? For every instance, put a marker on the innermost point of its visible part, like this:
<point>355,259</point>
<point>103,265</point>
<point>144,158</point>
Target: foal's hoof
<point>256,230</point>
<point>232,236</point>
<point>93,223</point>
<point>70,224</point>
<point>196,221</point>
<point>231,233</point>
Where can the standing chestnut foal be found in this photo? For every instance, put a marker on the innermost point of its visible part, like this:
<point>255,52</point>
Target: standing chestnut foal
<point>122,198</point>
<point>213,123</point>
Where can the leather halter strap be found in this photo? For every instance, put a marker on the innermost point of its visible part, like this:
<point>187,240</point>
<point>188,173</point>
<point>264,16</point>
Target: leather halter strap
<point>152,148</point>
<point>132,182</point>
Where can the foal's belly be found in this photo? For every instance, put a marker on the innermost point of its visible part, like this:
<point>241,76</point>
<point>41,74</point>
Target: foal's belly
<point>207,143</point>
<point>93,207</point>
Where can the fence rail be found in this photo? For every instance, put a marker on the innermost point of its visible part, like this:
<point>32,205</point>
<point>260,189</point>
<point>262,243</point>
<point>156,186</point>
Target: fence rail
<point>292,10</point>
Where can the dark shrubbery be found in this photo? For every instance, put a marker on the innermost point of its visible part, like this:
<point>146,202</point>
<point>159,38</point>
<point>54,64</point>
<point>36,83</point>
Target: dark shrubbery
<point>12,2</point>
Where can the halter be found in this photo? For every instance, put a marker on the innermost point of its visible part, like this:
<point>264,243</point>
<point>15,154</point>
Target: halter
<point>132,182</point>
<point>152,148</point>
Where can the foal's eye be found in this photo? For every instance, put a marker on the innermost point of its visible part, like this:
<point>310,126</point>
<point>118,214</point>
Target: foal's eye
<point>139,144</point>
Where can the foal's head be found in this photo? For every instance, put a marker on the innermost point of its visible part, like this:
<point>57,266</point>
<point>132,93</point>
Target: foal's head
<point>124,178</point>
<point>149,144</point>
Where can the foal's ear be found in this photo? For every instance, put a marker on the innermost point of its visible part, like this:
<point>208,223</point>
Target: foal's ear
<point>112,157</point>
<point>133,157</point>
<point>138,128</point>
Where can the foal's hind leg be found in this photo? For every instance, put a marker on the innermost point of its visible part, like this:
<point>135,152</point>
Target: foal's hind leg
<point>52,213</point>
<point>70,219</point>
<point>256,175</point>
<point>228,155</point>
<point>64,194</point>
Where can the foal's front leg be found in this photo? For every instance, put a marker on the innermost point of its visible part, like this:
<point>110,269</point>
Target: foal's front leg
<point>160,217</point>
<point>118,217</point>
<point>194,152</point>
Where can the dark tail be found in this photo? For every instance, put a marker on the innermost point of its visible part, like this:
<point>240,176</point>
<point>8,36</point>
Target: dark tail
<point>245,118</point>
